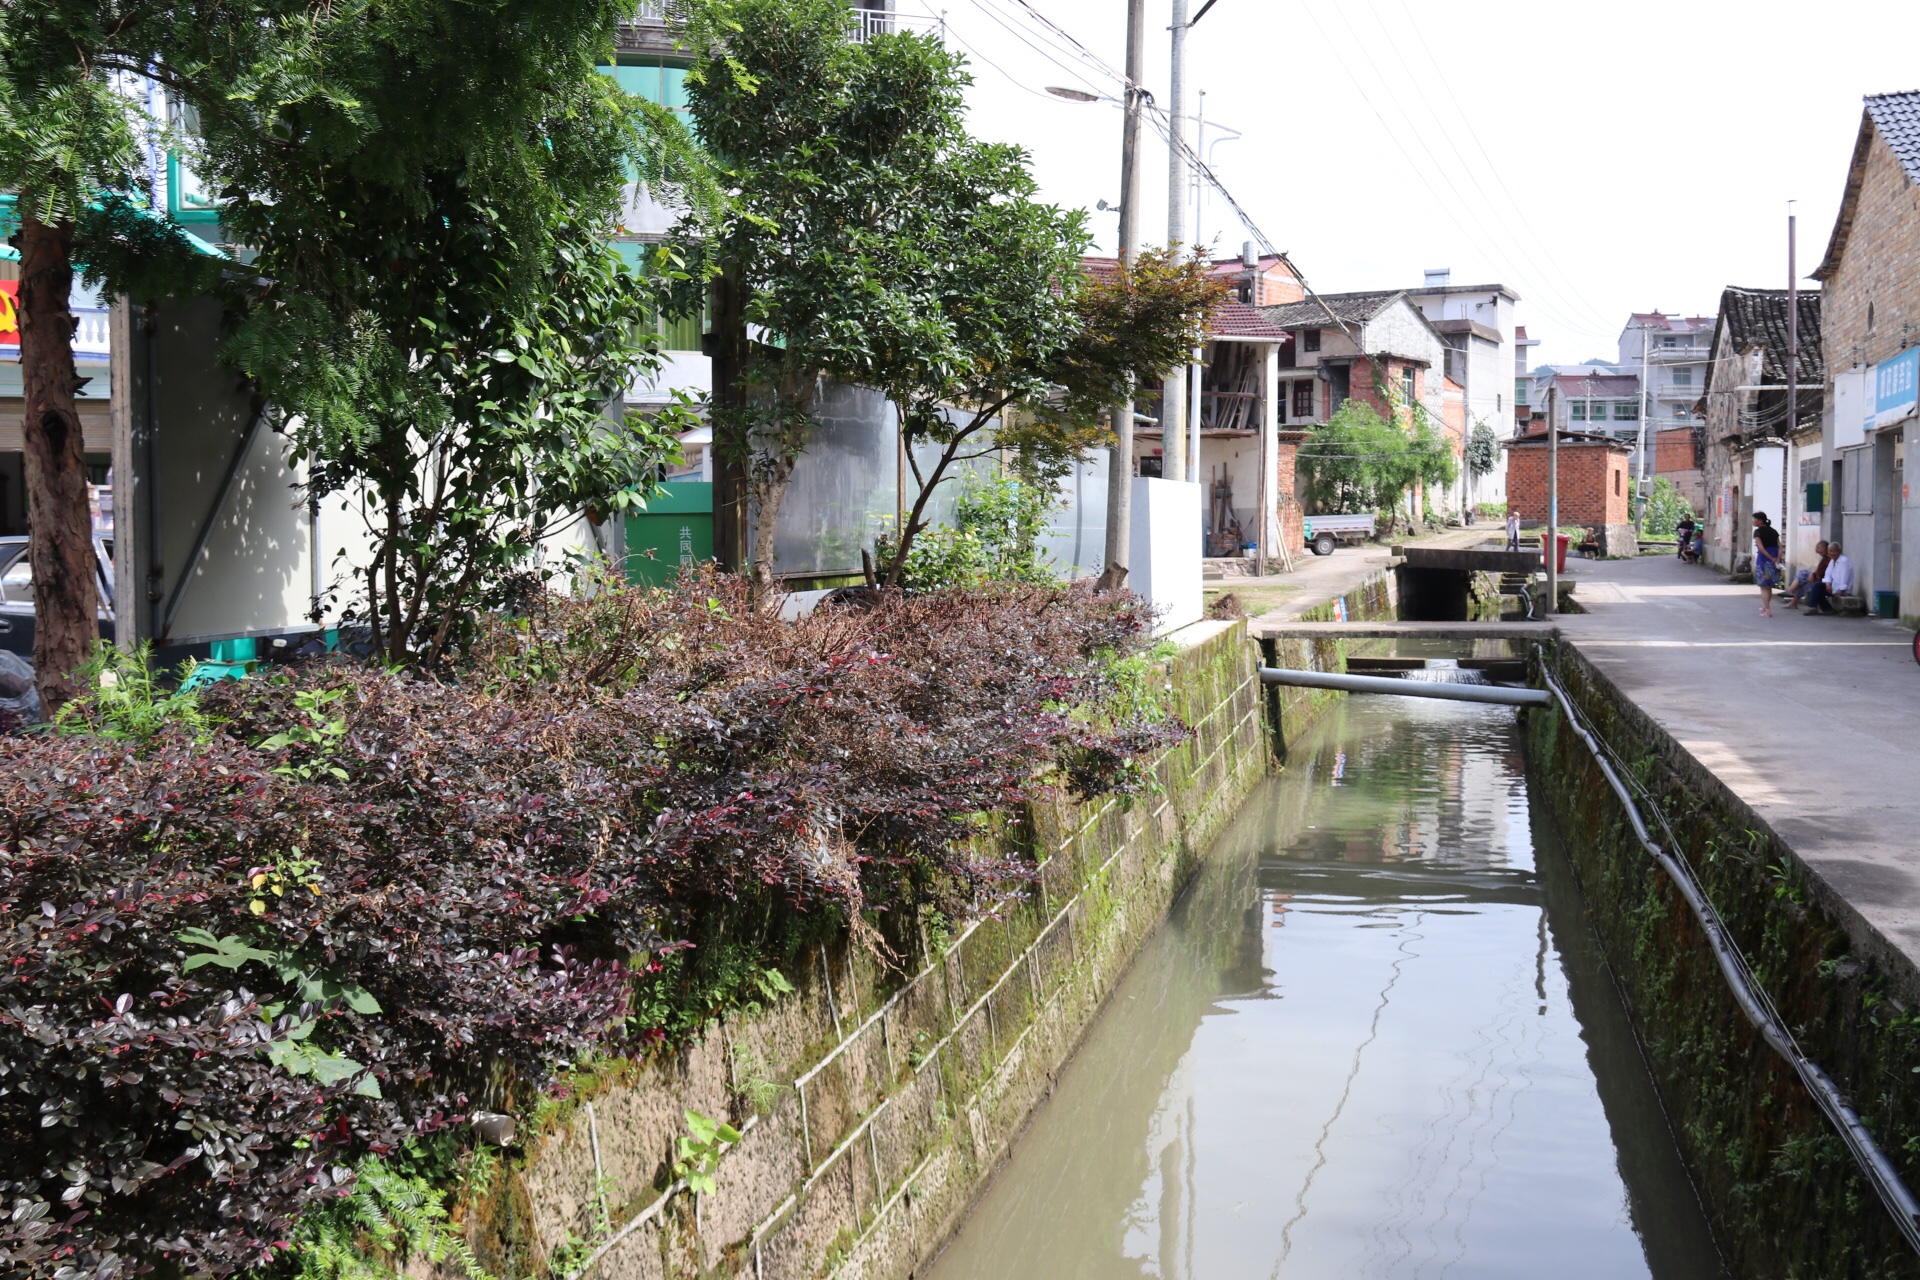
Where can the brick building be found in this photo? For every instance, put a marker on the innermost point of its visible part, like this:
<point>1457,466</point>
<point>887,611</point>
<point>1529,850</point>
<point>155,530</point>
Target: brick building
<point>1376,349</point>
<point>1676,457</point>
<point>1871,279</point>
<point>1593,486</point>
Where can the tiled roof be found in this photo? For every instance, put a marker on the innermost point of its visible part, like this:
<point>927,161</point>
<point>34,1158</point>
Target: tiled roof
<point>1351,308</point>
<point>1450,290</point>
<point>1233,318</point>
<point>1758,318</point>
<point>1897,117</point>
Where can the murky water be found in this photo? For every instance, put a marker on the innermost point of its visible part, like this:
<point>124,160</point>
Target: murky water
<point>1373,1040</point>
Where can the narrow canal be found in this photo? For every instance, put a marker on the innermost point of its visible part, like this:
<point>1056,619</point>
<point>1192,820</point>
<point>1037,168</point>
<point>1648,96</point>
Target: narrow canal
<point>1374,1039</point>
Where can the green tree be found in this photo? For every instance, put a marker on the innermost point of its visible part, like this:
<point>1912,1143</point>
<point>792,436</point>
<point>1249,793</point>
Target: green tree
<point>70,152</point>
<point>1348,460</point>
<point>1483,450</point>
<point>430,190</point>
<point>429,309</point>
<point>875,241</point>
<point>1665,506</point>
<point>1360,461</point>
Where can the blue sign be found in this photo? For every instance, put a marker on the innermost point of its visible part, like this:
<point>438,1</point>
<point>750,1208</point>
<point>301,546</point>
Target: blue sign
<point>1896,384</point>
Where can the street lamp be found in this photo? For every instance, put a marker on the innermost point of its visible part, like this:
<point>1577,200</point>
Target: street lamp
<point>1072,95</point>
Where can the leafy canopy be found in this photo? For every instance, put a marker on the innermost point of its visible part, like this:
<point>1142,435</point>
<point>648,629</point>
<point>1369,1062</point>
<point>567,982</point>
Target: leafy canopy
<point>432,310</point>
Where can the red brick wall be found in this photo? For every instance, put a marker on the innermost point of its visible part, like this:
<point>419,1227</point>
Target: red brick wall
<point>1370,378</point>
<point>1673,451</point>
<point>1292,518</point>
<point>1593,483</point>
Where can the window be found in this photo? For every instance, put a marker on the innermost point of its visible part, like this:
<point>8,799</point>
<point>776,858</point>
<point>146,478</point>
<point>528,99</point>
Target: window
<point>1668,342</point>
<point>1309,339</point>
<point>656,81</point>
<point>1683,379</point>
<point>1626,410</point>
<point>1616,484</point>
<point>1303,400</point>
<point>17,583</point>
<point>1520,391</point>
<point>1406,385</point>
<point>1869,317</point>
<point>1579,410</point>
<point>1497,407</point>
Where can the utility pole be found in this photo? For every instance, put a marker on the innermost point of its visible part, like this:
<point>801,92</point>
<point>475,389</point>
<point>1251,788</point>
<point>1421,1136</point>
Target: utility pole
<point>1793,375</point>
<point>1552,543</point>
<point>1120,459</point>
<point>1640,490</point>
<point>1194,367</point>
<point>1173,397</point>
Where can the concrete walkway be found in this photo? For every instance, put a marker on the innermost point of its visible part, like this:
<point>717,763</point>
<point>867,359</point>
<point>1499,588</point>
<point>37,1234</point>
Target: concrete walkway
<point>1813,721</point>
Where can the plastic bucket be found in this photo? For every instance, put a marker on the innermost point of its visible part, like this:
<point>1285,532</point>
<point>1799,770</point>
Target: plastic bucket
<point>1886,604</point>
<point>1560,562</point>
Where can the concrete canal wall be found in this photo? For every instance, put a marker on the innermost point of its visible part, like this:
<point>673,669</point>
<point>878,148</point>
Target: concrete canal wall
<point>875,1104</point>
<point>1782,1191</point>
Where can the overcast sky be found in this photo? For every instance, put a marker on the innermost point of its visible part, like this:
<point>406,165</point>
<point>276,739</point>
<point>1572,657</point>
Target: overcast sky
<point>1597,159</point>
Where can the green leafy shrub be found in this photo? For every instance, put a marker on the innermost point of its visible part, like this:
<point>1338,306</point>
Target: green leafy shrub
<point>1665,506</point>
<point>995,537</point>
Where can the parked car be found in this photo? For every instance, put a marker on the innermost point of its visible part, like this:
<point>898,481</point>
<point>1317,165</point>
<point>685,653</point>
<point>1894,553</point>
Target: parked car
<point>1322,532</point>
<point>16,594</point>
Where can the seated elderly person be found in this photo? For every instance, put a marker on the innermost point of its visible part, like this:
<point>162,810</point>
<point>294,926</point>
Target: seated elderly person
<point>1838,581</point>
<point>1803,581</point>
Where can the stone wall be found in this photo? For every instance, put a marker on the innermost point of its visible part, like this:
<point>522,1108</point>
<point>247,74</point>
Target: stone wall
<point>886,1099</point>
<point>1782,1192</point>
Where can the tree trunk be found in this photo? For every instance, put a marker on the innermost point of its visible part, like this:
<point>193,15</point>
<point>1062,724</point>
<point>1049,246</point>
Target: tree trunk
<point>768,494</point>
<point>732,477</point>
<point>65,599</point>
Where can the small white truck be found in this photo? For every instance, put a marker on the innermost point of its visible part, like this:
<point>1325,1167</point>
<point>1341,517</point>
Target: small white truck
<point>1322,532</point>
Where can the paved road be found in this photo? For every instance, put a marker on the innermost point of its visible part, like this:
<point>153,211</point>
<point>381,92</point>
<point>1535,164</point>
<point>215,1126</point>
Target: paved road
<point>1814,722</point>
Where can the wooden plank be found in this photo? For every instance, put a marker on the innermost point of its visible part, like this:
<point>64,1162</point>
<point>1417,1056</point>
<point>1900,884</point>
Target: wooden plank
<point>96,427</point>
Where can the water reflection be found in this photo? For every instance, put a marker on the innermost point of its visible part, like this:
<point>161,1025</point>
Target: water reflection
<point>1374,1039</point>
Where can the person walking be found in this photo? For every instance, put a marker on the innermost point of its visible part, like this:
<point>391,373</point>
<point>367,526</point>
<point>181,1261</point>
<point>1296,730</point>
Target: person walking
<point>1766,560</point>
<point>1513,529</point>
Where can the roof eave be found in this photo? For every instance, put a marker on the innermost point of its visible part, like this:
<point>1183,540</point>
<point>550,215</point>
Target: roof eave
<point>1849,202</point>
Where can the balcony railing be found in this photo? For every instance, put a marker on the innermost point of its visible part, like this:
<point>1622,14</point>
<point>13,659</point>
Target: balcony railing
<point>92,335</point>
<point>864,23</point>
<point>1679,355</point>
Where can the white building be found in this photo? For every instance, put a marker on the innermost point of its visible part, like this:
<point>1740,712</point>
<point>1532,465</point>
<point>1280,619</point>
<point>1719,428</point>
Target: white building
<point>1476,322</point>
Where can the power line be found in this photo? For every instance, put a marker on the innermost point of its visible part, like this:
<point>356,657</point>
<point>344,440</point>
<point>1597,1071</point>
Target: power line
<point>1394,137</point>
<point>1051,55</point>
<point>1522,226</point>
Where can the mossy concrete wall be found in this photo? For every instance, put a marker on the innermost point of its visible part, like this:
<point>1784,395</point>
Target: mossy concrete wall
<point>1782,1191</point>
<point>876,1104</point>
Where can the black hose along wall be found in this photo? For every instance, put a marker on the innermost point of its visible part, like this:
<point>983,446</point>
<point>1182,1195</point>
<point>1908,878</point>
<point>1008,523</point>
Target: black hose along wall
<point>1781,1189</point>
